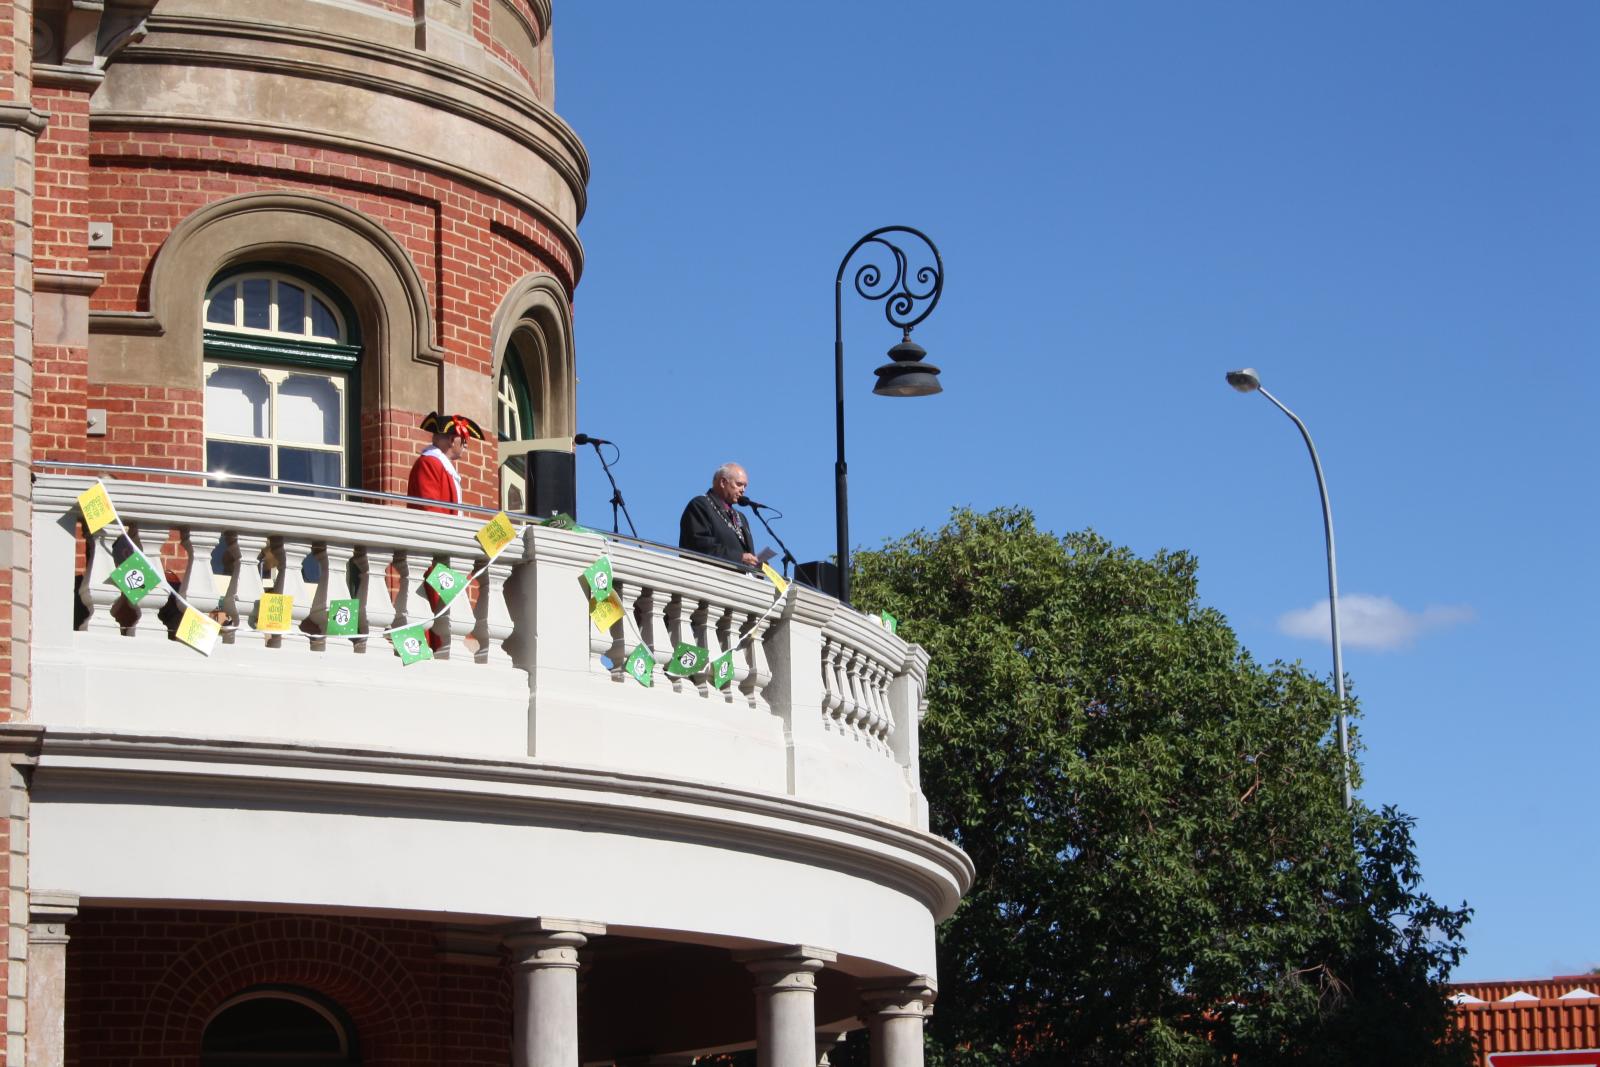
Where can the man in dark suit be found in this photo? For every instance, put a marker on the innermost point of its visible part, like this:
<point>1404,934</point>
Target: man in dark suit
<point>711,525</point>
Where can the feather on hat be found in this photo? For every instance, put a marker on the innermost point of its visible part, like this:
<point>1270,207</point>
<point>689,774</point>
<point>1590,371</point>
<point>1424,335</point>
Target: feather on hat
<point>459,425</point>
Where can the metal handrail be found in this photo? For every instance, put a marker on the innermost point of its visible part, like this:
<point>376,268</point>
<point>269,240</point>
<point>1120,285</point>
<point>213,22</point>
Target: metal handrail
<point>347,491</point>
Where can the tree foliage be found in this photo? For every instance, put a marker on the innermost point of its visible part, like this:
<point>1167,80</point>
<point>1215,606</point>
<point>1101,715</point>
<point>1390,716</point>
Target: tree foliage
<point>1165,869</point>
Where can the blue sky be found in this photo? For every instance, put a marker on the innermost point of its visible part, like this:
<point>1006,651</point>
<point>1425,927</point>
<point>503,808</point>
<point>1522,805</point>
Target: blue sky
<point>1392,211</point>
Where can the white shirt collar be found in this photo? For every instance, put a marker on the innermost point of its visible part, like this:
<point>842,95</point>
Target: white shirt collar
<point>450,468</point>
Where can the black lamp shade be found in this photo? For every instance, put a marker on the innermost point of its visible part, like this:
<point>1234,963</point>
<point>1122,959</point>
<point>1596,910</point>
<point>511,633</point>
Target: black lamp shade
<point>907,375</point>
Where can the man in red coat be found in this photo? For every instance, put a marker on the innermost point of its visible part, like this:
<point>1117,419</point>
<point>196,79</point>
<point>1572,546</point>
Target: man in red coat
<point>434,475</point>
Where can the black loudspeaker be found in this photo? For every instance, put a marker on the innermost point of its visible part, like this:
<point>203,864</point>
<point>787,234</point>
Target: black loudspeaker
<point>552,484</point>
<point>820,574</point>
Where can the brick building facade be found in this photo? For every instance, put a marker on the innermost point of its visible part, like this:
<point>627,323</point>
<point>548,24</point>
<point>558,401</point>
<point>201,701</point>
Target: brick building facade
<point>264,240</point>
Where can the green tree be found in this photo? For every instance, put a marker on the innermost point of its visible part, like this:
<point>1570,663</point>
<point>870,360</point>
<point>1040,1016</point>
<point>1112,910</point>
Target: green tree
<point>1165,869</point>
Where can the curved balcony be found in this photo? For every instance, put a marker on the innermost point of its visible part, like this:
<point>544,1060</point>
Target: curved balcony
<point>305,771</point>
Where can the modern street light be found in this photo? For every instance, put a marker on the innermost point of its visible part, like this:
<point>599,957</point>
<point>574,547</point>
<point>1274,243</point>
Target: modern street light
<point>1248,381</point>
<point>902,291</point>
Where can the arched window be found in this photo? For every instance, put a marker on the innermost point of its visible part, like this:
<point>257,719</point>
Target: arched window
<point>273,1025</point>
<point>514,412</point>
<point>534,390</point>
<point>281,360</point>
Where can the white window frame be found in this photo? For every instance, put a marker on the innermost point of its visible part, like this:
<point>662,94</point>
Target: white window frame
<point>276,376</point>
<point>276,278</point>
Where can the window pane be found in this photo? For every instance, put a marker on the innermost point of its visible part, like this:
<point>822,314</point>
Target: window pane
<point>236,402</point>
<point>220,309</point>
<point>510,415</point>
<point>304,465</point>
<point>230,457</point>
<point>308,410</point>
<point>291,308</point>
<point>323,321</point>
<point>271,1025</point>
<point>514,485</point>
<point>258,303</point>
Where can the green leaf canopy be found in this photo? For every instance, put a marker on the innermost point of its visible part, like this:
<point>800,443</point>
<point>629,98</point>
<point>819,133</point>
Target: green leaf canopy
<point>1165,869</point>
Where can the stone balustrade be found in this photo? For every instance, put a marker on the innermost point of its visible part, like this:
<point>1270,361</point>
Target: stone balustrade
<point>823,704</point>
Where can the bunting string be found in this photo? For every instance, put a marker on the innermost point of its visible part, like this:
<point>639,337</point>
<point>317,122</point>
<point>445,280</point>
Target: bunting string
<point>137,577</point>
<point>633,665</point>
<point>200,631</point>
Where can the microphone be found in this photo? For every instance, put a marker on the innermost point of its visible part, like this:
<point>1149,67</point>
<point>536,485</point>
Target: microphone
<point>585,439</point>
<point>746,502</point>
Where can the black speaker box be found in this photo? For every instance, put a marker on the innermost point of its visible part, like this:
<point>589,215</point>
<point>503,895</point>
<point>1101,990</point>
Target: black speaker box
<point>552,484</point>
<point>820,574</point>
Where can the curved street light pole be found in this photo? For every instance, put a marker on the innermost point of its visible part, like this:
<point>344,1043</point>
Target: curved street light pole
<point>902,291</point>
<point>1248,381</point>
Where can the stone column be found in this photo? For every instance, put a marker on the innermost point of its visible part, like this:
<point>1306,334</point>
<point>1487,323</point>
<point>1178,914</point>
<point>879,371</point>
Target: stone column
<point>895,1012</point>
<point>544,995</point>
<point>827,1041</point>
<point>786,1018</point>
<point>48,915</point>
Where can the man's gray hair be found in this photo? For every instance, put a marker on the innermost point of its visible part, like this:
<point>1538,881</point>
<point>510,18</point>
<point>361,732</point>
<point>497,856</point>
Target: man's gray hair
<point>725,471</point>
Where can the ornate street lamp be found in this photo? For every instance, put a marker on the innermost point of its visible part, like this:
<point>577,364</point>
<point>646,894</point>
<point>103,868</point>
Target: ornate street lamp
<point>1248,381</point>
<point>903,291</point>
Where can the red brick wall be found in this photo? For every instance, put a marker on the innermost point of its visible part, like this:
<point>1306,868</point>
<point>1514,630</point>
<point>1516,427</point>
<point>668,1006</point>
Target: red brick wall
<point>9,47</point>
<point>468,246</point>
<point>61,224</point>
<point>142,983</point>
<point>16,218</point>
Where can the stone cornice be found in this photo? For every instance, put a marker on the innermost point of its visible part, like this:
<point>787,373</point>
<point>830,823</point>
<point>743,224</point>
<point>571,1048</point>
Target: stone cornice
<point>15,116</point>
<point>129,323</point>
<point>928,868</point>
<point>80,282</point>
<point>542,8</point>
<point>300,37</point>
<point>67,76</point>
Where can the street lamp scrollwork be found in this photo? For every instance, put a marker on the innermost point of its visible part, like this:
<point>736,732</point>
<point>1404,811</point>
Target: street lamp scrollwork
<point>908,293</point>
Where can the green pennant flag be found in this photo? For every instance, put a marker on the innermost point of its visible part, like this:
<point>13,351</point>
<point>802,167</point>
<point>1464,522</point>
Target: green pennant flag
<point>722,670</point>
<point>412,644</point>
<point>563,521</point>
<point>446,582</point>
<point>641,666</point>
<point>890,623</point>
<point>344,618</point>
<point>687,659</point>
<point>597,576</point>
<point>135,577</point>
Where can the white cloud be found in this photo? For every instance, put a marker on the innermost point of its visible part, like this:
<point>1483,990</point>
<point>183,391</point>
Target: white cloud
<point>1367,621</point>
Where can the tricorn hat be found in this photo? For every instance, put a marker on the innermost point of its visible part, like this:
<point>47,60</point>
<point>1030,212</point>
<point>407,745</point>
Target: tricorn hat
<point>459,425</point>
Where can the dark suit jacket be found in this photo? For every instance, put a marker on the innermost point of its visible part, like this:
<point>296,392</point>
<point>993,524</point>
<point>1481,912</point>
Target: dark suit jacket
<point>703,530</point>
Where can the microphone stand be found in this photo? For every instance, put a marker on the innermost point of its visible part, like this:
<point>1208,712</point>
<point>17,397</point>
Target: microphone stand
<point>787,558</point>
<point>616,494</point>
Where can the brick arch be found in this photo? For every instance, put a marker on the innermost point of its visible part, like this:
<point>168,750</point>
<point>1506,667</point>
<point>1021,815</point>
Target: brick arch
<point>353,251</point>
<point>338,960</point>
<point>538,304</point>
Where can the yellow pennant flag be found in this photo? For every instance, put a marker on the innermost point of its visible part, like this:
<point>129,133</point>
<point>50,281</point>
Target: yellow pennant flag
<point>96,507</point>
<point>496,534</point>
<point>198,632</point>
<point>775,578</point>
<point>606,613</point>
<point>275,613</point>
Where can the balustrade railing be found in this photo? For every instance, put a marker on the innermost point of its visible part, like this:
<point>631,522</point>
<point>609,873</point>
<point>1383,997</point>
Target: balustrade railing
<point>222,550</point>
<point>823,701</point>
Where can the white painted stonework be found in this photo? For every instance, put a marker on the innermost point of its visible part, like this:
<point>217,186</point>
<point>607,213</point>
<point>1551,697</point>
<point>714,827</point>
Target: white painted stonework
<point>522,776</point>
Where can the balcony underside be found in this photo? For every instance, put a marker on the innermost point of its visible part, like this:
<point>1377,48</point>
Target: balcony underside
<point>243,824</point>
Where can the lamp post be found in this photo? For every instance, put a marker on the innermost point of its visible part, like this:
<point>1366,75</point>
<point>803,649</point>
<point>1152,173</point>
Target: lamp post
<point>902,291</point>
<point>1248,381</point>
